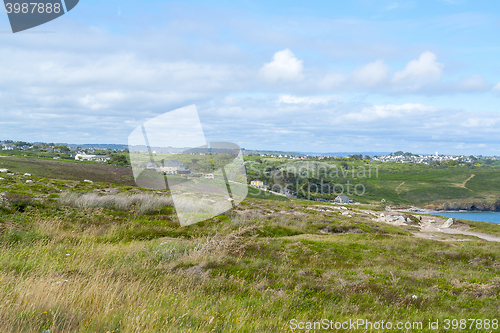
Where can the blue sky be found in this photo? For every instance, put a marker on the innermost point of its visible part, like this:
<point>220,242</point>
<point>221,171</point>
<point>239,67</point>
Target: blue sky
<point>419,76</point>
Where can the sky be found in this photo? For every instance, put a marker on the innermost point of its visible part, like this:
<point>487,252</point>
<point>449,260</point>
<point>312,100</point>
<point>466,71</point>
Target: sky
<point>315,76</point>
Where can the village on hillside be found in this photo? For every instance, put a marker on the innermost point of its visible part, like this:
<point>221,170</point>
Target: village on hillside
<point>102,153</point>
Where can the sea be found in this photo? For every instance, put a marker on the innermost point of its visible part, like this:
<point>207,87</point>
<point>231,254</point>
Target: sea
<point>493,217</point>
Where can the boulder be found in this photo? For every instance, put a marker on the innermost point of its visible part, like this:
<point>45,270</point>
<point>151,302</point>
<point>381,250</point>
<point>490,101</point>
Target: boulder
<point>449,222</point>
<point>4,170</point>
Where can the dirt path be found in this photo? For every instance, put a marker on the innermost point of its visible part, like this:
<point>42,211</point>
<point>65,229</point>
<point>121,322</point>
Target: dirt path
<point>465,182</point>
<point>487,237</point>
<point>430,227</point>
<point>397,188</point>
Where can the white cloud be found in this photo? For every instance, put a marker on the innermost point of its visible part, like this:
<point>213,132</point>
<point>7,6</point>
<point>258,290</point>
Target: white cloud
<point>291,99</point>
<point>417,72</point>
<point>331,81</point>
<point>475,82</point>
<point>284,67</point>
<point>381,112</point>
<point>372,74</point>
<point>101,100</point>
<point>497,87</point>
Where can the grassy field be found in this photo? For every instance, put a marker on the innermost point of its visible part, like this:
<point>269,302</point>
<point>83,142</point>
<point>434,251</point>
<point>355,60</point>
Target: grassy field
<point>395,183</point>
<point>68,170</point>
<point>103,257</point>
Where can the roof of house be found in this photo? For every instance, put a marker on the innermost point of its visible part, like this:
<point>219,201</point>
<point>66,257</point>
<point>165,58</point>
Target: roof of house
<point>172,164</point>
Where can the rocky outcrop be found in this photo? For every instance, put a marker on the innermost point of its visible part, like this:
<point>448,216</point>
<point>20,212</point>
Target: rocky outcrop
<point>474,206</point>
<point>392,219</point>
<point>449,222</point>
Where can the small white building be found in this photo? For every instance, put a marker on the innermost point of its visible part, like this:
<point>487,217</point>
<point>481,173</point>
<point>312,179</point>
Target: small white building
<point>257,183</point>
<point>343,199</point>
<point>94,158</point>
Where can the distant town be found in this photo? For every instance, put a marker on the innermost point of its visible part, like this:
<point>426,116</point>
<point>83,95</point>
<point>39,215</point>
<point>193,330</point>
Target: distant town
<point>104,152</point>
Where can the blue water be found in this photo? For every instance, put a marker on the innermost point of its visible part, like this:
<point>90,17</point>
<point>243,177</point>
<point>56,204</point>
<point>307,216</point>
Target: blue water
<point>493,217</point>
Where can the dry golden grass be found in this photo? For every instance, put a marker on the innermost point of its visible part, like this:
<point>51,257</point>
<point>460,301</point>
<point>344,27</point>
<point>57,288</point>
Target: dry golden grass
<point>145,202</point>
<point>251,270</point>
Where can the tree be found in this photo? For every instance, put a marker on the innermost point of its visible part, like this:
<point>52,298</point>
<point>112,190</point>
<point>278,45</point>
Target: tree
<point>119,159</point>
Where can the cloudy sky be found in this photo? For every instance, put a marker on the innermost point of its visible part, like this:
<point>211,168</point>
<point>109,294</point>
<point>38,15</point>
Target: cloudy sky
<point>316,76</point>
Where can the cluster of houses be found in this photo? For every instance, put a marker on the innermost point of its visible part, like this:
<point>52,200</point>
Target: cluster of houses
<point>340,199</point>
<point>174,167</point>
<point>424,159</point>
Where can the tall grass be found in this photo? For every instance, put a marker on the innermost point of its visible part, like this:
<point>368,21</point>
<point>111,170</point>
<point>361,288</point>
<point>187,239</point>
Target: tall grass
<point>145,203</point>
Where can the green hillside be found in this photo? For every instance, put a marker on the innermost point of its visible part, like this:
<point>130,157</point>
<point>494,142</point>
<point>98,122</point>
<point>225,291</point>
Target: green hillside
<point>101,257</point>
<point>371,182</point>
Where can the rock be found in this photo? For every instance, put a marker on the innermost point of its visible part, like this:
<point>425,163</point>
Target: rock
<point>345,213</point>
<point>449,222</point>
<point>342,207</point>
<point>399,219</point>
<point>88,181</point>
<point>355,231</point>
<point>477,261</point>
<point>29,181</point>
<point>28,174</point>
<point>4,170</point>
<point>305,273</point>
<point>382,215</point>
<point>332,230</point>
<point>197,271</point>
<point>340,229</point>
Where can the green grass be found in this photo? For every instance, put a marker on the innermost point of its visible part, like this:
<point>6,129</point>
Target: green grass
<point>68,170</point>
<point>423,184</point>
<point>101,267</point>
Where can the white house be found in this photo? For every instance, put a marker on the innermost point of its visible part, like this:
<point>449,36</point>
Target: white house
<point>174,167</point>
<point>343,199</point>
<point>95,158</point>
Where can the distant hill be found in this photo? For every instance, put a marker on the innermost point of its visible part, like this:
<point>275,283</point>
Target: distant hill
<point>98,145</point>
<point>345,154</point>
